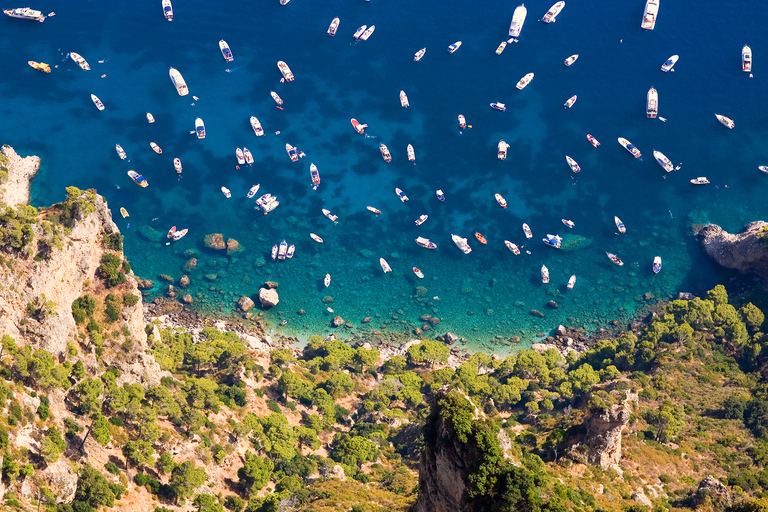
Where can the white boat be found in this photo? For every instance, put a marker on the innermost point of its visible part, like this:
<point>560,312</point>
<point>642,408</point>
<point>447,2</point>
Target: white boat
<point>384,265</point>
<point>518,18</point>
<point>316,238</point>
<point>96,101</point>
<point>360,31</point>
<point>401,195</point>
<point>315,175</point>
<point>256,125</point>
<point>501,47</point>
<point>424,242</point>
<point>168,10</point>
<point>291,250</point>
<point>619,225</point>
<point>568,223</point>
<point>553,11</point>
<point>499,106</point>
<point>25,13</point>
<point>277,98</point>
<point>421,220</point>
<point>462,122</point>
<point>440,195</point>
<point>411,153</point>
<point>593,140</point>
<point>385,154</point>
<point>570,102</point>
<point>199,128</point>
<point>359,128</point>
<point>572,164</point>
<point>80,61</point>
<point>365,35</point>
<point>512,247</point>
<point>701,180</point>
<point>763,168</point>
<point>284,2</point>
<point>120,151</point>
<point>571,282</point>
<point>615,259</point>
<point>178,235</point>
<point>630,147</point>
<point>570,60</point>
<point>544,274</point>
<point>664,162</point>
<point>373,209</point>
<point>333,27</point>
<point>285,70</point>
<point>150,118</point>
<point>404,99</point>
<point>527,231</point>
<point>652,103</point>
<point>267,203</point>
<point>656,264</point>
<point>252,191</point>
<point>226,192</point>
<point>669,63</point>
<point>177,165</point>
<point>726,121</point>
<point>502,150</point>
<point>746,59</point>
<point>330,215</point>
<point>240,156</point>
<point>418,272</point>
<point>553,240</point>
<point>419,54</point>
<point>455,46</point>
<point>327,280</point>
<point>461,243</point>
<point>282,250</point>
<point>292,153</point>
<point>178,82</point>
<point>523,82</point>
<point>138,178</point>
<point>248,156</point>
<point>649,16</point>
<point>226,52</point>
<point>274,252</point>
<point>157,149</point>
<point>500,199</point>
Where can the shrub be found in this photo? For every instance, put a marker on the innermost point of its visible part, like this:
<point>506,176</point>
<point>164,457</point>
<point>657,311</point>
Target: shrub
<point>113,307</point>
<point>114,241</point>
<point>112,468</point>
<point>130,299</point>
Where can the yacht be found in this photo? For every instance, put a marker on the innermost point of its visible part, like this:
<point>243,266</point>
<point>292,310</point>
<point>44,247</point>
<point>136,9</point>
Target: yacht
<point>138,179</point>
<point>327,280</point>
<point>277,98</point>
<point>120,151</point>
<point>652,103</point>
<point>25,13</point>
<point>701,180</point>
<point>274,252</point>
<point>256,125</point>
<point>282,250</point>
<point>404,99</point>
<point>421,220</point>
<point>552,13</point>
<point>527,231</point>
<point>570,102</point>
<point>512,247</point>
<point>96,101</point>
<point>656,264</point>
<point>225,51</point>
<point>455,46</point>
<point>373,209</point>
<point>177,165</point>
<point>763,168</point>
<point>630,147</point>
<point>385,153</point>
<point>424,242</point>
<point>649,17</point>
<point>461,243</point>
<point>199,128</point>
<point>360,31</point>
<point>292,153</point>
<point>663,161</point>
<point>252,191</point>
<point>726,121</point>
<point>553,240</point>
<point>178,82</point>
<point>168,10</point>
<point>570,60</point>
<point>384,265</point>
<point>290,251</point>
<point>240,156</point>
<point>150,118</point>
<point>157,149</point>
<point>365,35</point>
<point>568,223</point>
<point>334,26</point>
<point>518,18</point>
<point>285,70</point>
<point>462,122</point>
<point>315,175</point>
<point>524,81</point>
<point>411,153</point>
<point>502,150</point>
<point>619,225</point>
<point>544,274</point>
<point>248,156</point>
<point>330,215</point>
<point>80,61</point>
<point>500,199</point>
<point>419,54</point>
<point>746,59</point>
<point>401,195</point>
<point>316,238</point>
<point>267,203</point>
<point>501,47</point>
<point>571,282</point>
<point>593,140</point>
<point>572,164</point>
<point>227,193</point>
<point>615,259</point>
<point>359,128</point>
<point>499,106</point>
<point>669,63</point>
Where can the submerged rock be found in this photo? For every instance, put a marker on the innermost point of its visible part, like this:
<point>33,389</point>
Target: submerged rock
<point>572,243</point>
<point>337,321</point>
<point>184,281</point>
<point>214,241</point>
<point>150,234</point>
<point>145,284</point>
<point>191,264</point>
<point>187,299</point>
<point>234,247</point>
<point>245,304</point>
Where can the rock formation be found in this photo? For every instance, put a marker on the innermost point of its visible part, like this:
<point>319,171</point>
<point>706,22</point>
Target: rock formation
<point>268,297</point>
<point>15,189</point>
<point>711,488</point>
<point>746,252</point>
<point>603,432</point>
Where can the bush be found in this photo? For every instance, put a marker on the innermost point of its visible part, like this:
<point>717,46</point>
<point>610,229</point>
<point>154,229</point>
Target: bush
<point>110,270</point>
<point>130,299</point>
<point>114,241</point>
<point>113,307</point>
<point>234,503</point>
<point>116,421</point>
<point>112,468</point>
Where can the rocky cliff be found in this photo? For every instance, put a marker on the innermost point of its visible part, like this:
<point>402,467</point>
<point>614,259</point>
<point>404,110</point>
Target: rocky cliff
<point>14,188</point>
<point>602,439</point>
<point>746,251</point>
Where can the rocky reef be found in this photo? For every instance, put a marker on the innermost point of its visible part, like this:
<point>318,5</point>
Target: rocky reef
<point>746,251</point>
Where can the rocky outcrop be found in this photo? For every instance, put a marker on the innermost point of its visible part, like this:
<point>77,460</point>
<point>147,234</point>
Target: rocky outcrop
<point>215,241</point>
<point>268,297</point>
<point>711,489</point>
<point>746,251</point>
<point>245,304</point>
<point>15,189</point>
<point>602,438</point>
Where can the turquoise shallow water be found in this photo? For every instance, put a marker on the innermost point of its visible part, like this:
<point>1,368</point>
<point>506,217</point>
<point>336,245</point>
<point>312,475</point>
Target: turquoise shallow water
<point>485,296</point>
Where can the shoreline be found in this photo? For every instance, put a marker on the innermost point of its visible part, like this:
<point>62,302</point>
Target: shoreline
<point>15,189</point>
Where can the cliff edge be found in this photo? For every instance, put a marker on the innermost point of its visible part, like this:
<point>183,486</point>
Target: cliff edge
<point>15,173</point>
<point>746,251</point>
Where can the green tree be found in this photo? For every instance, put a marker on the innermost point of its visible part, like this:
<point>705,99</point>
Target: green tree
<point>165,463</point>
<point>366,357</point>
<point>256,472</point>
<point>52,445</point>
<point>137,454</point>
<point>276,436</point>
<point>428,352</point>
<point>394,364</point>
<point>353,450</point>
<point>185,478</point>
<point>583,378</point>
<point>207,503</point>
<point>718,295</point>
<point>291,385</point>
<point>93,488</point>
<point>553,441</point>
<point>87,394</point>
<point>668,421</point>
<point>339,384</point>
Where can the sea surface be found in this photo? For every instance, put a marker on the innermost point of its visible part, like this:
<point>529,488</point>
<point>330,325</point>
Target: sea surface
<point>486,296</point>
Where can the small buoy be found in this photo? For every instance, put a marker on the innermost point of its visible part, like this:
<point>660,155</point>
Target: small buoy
<point>277,132</point>
<point>167,243</point>
<point>284,322</point>
<point>237,167</point>
<point>469,126</point>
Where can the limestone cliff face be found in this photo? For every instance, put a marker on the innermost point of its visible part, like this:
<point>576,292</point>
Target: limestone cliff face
<point>603,432</point>
<point>20,170</point>
<point>746,252</point>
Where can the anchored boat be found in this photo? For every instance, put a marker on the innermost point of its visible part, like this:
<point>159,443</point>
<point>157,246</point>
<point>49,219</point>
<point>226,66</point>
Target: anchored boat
<point>168,10</point>
<point>664,162</point>
<point>256,125</point>
<point>178,82</point>
<point>226,51</point>
<point>669,63</point>
<point>199,128</point>
<point>553,11</point>
<point>285,70</point>
<point>404,99</point>
<point>502,150</point>
<point>570,60</point>
<point>518,18</point>
<point>333,27</point>
<point>419,54</point>
<point>80,61</point>
<point>726,121</point>
<point>385,154</point>
<point>649,16</point>
<point>630,147</point>
<point>746,59</point>
<point>572,164</point>
<point>523,82</point>
<point>461,243</point>
<point>652,103</point>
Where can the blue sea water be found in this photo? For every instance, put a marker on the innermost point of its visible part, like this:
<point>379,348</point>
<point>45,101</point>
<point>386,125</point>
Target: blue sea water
<point>486,296</point>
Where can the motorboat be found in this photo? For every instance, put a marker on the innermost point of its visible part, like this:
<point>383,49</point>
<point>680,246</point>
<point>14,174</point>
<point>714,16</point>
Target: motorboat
<point>570,102</point>
<point>384,265</point>
<point>256,125</point>
<point>619,225</point>
<point>178,235</point>
<point>359,31</point>
<point>267,203</point>
<point>499,199</point>
<point>96,101</point>
<point>226,192</point>
<point>226,51</point>
<point>502,150</point>
<point>168,10</point>
<point>419,54</point>
<point>570,60</point>
<point>327,278</point>
<point>316,238</point>
<point>252,191</point>
<point>453,47</point>
<point>701,180</point>
<point>726,121</point>
<point>274,252</point>
<point>177,165</point>
<point>292,153</point>
<point>544,274</point>
<point>285,70</point>
<point>178,82</point>
<point>171,232</point>
<point>512,247</point>
<point>746,59</point>
<point>553,11</point>
<point>418,273</point>
<point>630,147</point>
<point>373,210</point>
<point>656,264</point>
<point>330,215</point>
<point>157,149</point>
<point>518,18</point>
<point>527,231</point>
<point>553,240</point>
<point>440,195</point>
<point>652,103</point>
<point>499,106</point>
<point>277,98</point>
<point>80,61</point>
<point>333,27</point>
<point>120,151</point>
<point>481,238</point>
<point>291,250</point>
<point>593,140</point>
<point>248,156</point>
<point>571,282</point>
<point>385,153</point>
<point>763,168</point>
<point>572,164</point>
<point>315,175</point>
<point>284,2</point>
<point>240,156</point>
<point>649,16</point>
<point>401,195</point>
<point>124,212</point>
<point>150,118</point>
<point>424,242</point>
<point>25,13</point>
<point>461,243</point>
<point>523,82</point>
<point>365,35</point>
<point>501,47</point>
<point>138,179</point>
<point>669,63</point>
<point>411,153</point>
<point>359,128</point>
<point>663,161</point>
<point>422,219</point>
<point>568,223</point>
<point>615,259</point>
<point>199,128</point>
<point>282,250</point>
<point>462,122</point>
<point>404,99</point>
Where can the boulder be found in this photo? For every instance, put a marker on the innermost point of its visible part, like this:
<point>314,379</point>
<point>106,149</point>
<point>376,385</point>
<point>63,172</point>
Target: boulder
<point>166,278</point>
<point>537,313</point>
<point>450,338</point>
<point>234,247</point>
<point>560,331</point>
<point>338,473</point>
<point>215,241</point>
<point>268,297</point>
<point>711,488</point>
<point>245,304</point>
<point>271,285</point>
<point>641,499</point>
<point>184,281</point>
<point>337,321</point>
<point>744,251</point>
<point>170,292</point>
<point>145,284</point>
<point>190,265</point>
<point>187,299</point>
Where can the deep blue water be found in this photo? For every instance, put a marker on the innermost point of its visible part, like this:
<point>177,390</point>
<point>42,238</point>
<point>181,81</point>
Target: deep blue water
<point>484,296</point>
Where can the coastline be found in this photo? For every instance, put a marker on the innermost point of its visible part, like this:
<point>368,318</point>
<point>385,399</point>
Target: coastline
<point>15,189</point>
